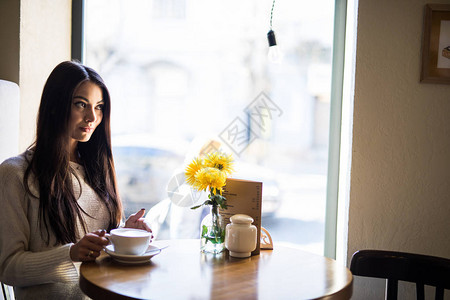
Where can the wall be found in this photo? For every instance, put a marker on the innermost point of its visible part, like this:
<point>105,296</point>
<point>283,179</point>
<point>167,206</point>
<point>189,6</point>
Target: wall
<point>35,36</point>
<point>45,41</point>
<point>399,192</point>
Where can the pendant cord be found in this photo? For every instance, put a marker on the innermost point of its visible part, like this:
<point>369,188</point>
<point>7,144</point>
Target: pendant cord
<point>271,14</point>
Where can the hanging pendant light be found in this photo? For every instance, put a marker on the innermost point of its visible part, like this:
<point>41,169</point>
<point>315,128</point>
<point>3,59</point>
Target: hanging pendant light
<point>274,53</point>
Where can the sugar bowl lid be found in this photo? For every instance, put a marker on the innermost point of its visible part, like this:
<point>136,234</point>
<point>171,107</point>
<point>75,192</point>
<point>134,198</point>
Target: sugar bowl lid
<point>241,219</point>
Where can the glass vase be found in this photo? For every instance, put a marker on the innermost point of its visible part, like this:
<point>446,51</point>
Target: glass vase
<point>212,232</point>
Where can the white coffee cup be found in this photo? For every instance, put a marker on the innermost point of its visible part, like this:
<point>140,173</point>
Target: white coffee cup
<point>130,241</point>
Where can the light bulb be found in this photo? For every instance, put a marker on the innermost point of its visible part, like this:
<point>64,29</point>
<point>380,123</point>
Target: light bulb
<point>274,54</point>
<point>274,51</point>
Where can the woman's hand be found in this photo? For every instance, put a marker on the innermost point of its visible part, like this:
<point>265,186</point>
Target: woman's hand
<point>89,247</point>
<point>137,221</point>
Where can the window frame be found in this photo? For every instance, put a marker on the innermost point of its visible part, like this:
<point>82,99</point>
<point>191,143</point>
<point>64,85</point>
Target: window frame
<point>337,82</point>
<point>334,145</point>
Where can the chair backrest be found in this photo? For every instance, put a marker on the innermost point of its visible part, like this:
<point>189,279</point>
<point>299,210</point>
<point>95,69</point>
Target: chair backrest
<point>400,266</point>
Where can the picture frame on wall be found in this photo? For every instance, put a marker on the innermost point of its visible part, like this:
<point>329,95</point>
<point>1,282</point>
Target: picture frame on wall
<point>436,44</point>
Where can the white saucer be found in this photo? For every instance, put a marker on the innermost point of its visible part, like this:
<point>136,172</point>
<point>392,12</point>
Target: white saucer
<point>133,259</point>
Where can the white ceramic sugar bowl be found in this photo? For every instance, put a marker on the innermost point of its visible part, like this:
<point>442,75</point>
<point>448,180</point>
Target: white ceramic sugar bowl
<point>240,236</point>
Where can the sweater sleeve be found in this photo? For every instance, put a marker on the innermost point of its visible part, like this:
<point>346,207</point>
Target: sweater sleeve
<point>19,266</point>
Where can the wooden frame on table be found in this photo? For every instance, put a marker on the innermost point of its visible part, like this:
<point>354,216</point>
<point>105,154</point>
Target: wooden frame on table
<point>436,44</point>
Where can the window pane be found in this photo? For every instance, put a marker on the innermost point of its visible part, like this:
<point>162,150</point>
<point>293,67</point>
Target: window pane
<point>182,73</point>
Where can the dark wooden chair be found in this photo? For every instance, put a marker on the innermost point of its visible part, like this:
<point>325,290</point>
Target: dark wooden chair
<point>400,266</point>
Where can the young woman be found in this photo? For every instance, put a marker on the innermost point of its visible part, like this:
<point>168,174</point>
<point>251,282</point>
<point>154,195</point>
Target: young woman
<point>59,197</point>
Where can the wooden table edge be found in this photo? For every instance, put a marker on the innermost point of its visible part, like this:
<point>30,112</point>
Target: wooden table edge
<point>96,292</point>
<point>343,294</point>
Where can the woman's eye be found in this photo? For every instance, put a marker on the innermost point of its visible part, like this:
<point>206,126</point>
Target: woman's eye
<point>100,107</point>
<point>80,104</point>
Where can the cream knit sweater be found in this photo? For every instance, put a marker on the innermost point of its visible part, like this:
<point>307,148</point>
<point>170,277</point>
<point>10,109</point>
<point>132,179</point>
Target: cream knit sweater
<point>36,270</point>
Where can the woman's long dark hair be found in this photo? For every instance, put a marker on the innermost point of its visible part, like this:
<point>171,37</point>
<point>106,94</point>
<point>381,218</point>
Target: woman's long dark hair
<point>58,208</point>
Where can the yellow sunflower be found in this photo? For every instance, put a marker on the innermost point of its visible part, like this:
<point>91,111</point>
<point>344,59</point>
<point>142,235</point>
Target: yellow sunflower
<point>220,161</point>
<point>193,168</point>
<point>209,177</point>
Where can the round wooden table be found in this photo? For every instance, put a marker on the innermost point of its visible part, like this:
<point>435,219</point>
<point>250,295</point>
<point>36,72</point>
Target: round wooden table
<point>181,271</point>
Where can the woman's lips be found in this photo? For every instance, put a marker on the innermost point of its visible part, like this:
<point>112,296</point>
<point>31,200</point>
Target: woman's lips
<point>87,129</point>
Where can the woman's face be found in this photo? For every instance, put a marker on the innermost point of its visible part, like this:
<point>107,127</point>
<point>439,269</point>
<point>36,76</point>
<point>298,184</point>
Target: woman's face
<point>86,112</point>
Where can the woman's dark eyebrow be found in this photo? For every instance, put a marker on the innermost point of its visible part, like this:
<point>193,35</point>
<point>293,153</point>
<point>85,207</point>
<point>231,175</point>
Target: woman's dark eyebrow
<point>86,99</point>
